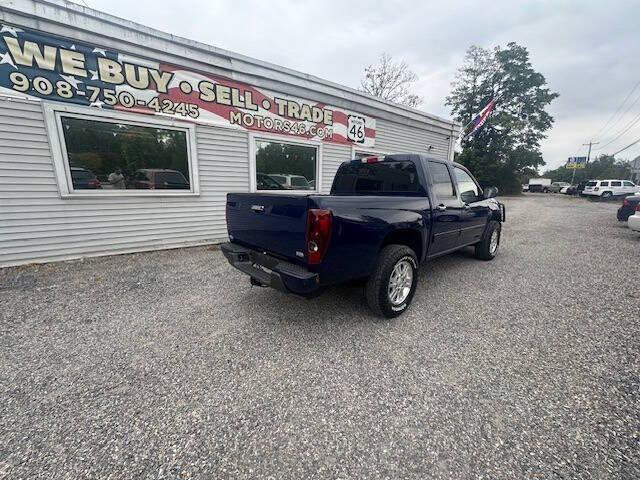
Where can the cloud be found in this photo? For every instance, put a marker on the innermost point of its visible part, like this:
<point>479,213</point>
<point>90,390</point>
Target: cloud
<point>587,50</point>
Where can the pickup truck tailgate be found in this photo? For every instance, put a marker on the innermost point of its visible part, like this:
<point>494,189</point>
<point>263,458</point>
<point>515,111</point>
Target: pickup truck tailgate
<point>270,223</point>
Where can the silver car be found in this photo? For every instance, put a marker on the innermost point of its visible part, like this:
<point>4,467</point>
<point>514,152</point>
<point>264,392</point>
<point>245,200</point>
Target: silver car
<point>555,187</point>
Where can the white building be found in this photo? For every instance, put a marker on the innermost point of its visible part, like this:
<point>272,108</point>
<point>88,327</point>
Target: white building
<point>116,138</point>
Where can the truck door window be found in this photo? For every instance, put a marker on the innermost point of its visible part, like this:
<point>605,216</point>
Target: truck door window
<point>442,184</point>
<point>469,190</point>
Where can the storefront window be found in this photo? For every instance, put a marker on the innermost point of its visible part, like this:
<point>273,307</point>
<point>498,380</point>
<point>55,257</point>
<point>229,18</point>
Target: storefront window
<point>119,156</point>
<point>285,166</point>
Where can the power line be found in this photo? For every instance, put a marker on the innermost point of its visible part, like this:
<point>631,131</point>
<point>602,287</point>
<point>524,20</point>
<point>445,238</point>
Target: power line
<point>628,146</point>
<point>618,110</point>
<point>635,120</point>
<point>625,112</point>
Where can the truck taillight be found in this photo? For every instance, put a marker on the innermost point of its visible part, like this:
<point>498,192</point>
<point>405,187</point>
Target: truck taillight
<point>372,159</point>
<point>318,234</point>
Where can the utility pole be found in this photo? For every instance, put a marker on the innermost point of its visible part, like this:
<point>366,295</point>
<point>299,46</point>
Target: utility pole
<point>589,154</point>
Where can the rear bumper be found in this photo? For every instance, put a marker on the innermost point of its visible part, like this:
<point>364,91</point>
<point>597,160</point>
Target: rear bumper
<point>270,271</point>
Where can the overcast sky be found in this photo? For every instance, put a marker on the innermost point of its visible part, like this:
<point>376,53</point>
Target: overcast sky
<point>589,51</point>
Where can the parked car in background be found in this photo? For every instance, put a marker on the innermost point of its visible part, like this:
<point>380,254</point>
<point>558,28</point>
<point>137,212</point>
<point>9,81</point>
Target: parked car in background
<point>292,182</point>
<point>159,179</point>
<point>634,220</point>
<point>525,187</point>
<point>576,189</point>
<point>565,190</point>
<point>628,207</point>
<point>384,216</point>
<point>84,179</point>
<point>555,187</point>
<point>610,188</point>
<point>539,185</point>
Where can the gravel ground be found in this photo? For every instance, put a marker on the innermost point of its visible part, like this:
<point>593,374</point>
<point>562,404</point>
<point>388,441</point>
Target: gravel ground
<point>169,365</point>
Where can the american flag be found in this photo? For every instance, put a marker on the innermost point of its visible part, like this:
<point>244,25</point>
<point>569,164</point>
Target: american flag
<point>481,118</point>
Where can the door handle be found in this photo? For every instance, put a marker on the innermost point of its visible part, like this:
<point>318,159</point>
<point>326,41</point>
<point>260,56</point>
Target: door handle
<point>467,206</point>
<point>441,207</point>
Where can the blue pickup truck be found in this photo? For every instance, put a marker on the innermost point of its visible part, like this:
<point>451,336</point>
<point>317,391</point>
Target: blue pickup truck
<point>383,217</point>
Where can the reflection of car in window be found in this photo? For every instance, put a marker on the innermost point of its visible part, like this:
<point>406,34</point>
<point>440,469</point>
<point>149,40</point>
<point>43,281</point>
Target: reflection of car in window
<point>84,179</point>
<point>292,182</point>
<point>159,179</point>
<point>266,182</point>
<point>299,182</point>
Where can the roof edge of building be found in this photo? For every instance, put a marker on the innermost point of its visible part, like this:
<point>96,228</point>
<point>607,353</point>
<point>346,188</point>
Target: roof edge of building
<point>55,10</point>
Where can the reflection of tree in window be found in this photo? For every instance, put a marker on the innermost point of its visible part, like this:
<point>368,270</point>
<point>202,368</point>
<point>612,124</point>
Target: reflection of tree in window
<point>105,147</point>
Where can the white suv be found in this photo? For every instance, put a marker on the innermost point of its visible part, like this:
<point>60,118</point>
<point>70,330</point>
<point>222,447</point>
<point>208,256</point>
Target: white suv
<point>610,188</point>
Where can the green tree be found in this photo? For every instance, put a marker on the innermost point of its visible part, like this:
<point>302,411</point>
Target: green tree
<point>603,167</point>
<point>508,145</point>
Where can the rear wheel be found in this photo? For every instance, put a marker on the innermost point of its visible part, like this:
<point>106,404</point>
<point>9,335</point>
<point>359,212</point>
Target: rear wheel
<point>390,289</point>
<point>487,248</point>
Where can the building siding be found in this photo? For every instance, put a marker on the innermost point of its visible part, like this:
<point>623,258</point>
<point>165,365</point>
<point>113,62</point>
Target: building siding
<point>395,138</point>
<point>333,156</point>
<point>37,225</point>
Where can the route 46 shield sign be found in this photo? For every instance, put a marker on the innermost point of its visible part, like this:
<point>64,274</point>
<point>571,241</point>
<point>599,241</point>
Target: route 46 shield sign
<point>355,129</point>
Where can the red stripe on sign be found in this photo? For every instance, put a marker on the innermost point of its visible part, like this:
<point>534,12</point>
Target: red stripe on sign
<point>340,117</point>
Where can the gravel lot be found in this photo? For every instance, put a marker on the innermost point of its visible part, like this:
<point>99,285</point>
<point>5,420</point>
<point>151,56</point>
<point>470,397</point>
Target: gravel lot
<point>169,365</point>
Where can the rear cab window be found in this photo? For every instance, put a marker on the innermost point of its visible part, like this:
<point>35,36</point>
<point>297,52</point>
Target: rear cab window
<point>377,178</point>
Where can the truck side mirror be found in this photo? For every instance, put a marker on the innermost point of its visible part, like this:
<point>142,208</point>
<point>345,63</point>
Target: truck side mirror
<point>490,192</point>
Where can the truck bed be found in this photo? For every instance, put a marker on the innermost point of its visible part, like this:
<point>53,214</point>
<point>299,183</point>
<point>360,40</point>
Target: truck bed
<point>273,223</point>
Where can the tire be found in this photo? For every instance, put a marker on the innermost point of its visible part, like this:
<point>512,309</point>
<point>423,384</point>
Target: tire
<point>484,249</point>
<point>392,258</point>
<point>606,195</point>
